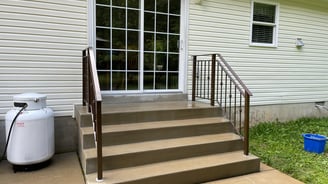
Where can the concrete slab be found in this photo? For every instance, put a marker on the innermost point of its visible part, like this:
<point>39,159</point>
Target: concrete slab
<point>64,168</point>
<point>265,176</point>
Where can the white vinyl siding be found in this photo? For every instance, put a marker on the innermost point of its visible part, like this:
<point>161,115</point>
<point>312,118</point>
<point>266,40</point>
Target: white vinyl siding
<point>275,75</point>
<point>40,51</point>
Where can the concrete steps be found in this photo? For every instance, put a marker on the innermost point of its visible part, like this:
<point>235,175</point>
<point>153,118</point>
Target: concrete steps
<point>184,171</point>
<point>116,134</point>
<point>135,154</point>
<point>163,142</point>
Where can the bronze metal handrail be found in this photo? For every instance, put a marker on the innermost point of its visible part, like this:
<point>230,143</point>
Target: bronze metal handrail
<point>214,80</point>
<point>92,98</point>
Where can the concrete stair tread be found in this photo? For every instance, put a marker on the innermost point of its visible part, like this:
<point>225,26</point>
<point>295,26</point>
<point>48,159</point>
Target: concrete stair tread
<point>172,167</point>
<point>156,125</point>
<point>161,144</point>
<point>152,106</point>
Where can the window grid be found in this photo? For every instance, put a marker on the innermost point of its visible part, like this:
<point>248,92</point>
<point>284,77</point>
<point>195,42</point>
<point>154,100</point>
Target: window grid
<point>264,23</point>
<point>156,67</point>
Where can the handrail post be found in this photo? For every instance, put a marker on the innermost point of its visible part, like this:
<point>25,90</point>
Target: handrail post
<point>193,93</point>
<point>213,79</point>
<point>246,124</point>
<point>84,75</point>
<point>99,143</point>
<point>89,79</point>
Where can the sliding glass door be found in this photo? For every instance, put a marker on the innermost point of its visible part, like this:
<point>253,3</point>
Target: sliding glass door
<point>137,45</point>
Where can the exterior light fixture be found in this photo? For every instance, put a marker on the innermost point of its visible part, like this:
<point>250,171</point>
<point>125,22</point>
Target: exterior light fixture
<point>299,42</point>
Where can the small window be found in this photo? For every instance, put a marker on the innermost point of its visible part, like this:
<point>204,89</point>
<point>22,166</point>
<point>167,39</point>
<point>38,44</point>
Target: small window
<point>264,24</point>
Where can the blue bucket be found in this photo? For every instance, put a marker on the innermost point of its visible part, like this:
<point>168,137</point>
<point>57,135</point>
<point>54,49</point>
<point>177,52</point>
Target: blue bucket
<point>314,143</point>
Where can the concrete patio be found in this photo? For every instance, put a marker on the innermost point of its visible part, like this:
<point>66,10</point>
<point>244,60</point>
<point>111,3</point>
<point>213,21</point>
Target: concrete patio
<point>65,169</point>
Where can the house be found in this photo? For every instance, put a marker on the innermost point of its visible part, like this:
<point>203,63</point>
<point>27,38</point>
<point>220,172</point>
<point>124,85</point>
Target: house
<point>144,51</point>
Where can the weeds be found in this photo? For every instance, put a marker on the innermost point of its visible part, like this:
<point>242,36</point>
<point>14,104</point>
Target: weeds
<point>280,145</point>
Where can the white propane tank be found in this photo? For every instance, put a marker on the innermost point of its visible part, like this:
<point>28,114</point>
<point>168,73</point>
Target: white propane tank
<point>32,136</point>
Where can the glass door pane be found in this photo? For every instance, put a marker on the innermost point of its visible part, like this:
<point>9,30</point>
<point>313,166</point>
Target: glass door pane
<point>117,44</point>
<point>161,49</point>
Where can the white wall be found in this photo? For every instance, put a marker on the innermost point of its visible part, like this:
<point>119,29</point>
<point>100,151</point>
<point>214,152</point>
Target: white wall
<point>278,75</point>
<point>40,51</point>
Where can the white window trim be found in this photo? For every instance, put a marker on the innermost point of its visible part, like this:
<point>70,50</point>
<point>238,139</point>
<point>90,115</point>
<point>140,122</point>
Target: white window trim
<point>275,25</point>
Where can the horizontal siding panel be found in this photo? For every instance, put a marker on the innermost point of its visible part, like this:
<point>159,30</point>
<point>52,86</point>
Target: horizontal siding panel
<point>56,96</point>
<point>64,63</point>
<point>224,46</point>
<point>75,3</point>
<point>41,38</point>
<point>40,51</point>
<point>274,55</point>
<point>311,66</point>
<point>226,24</point>
<point>43,25</point>
<point>43,9</point>
<point>298,28</point>
<point>226,7</point>
<point>40,18</point>
<point>39,45</point>
<point>10,91</point>
<point>43,71</point>
<point>59,102</point>
<point>227,16</point>
<point>76,7</point>
<point>80,34</point>
<point>55,77</point>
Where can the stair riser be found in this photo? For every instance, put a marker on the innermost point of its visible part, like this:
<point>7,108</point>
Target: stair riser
<point>157,134</point>
<point>155,156</point>
<point>203,175</point>
<point>160,115</point>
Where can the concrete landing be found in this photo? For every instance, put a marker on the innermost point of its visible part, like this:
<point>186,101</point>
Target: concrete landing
<point>63,169</point>
<point>267,175</point>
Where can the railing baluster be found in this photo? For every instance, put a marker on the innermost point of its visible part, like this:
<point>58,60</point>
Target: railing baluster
<point>240,111</point>
<point>230,98</point>
<point>201,79</point>
<point>221,84</point>
<point>213,64</point>
<point>197,80</point>
<point>217,84</point>
<point>99,141</point>
<point>208,85</point>
<point>194,78</point>
<point>246,125</point>
<point>235,108</point>
<point>225,92</point>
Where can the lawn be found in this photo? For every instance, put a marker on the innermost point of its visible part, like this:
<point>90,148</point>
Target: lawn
<point>280,145</point>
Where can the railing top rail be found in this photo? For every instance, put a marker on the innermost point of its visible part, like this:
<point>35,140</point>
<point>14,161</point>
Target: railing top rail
<point>231,71</point>
<point>92,96</point>
<point>94,75</point>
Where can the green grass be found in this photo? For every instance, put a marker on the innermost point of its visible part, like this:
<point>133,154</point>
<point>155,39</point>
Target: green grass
<point>280,145</point>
